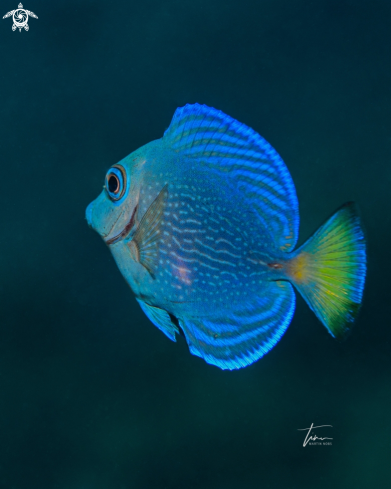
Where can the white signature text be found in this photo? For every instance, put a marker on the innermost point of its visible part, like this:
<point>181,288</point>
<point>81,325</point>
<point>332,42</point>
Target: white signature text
<point>312,437</point>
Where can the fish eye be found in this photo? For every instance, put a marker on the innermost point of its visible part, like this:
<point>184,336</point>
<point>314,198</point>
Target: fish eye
<point>115,183</point>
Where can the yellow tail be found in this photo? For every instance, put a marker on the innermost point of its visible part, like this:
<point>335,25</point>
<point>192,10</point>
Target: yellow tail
<point>329,270</point>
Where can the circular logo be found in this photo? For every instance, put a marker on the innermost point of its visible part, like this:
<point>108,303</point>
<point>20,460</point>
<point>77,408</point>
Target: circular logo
<point>20,18</point>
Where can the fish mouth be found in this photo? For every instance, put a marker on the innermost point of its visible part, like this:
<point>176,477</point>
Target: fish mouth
<point>126,230</point>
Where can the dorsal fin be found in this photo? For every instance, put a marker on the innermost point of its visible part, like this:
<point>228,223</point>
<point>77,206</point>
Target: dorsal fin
<point>227,147</point>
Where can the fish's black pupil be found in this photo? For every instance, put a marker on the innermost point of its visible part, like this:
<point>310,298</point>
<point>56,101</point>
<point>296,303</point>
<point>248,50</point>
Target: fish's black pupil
<point>113,184</point>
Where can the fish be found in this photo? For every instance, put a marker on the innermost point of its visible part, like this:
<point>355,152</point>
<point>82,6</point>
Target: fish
<point>203,225</point>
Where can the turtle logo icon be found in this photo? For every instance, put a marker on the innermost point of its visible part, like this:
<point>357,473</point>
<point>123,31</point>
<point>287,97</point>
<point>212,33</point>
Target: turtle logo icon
<point>20,17</point>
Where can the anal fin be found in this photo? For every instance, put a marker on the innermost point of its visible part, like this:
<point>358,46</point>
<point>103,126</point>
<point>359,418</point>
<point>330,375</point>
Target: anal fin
<point>235,339</point>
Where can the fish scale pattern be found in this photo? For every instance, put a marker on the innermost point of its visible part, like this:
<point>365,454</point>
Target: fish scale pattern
<point>230,149</point>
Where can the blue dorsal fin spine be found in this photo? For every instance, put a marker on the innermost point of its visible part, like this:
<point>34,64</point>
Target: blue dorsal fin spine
<point>229,148</point>
<point>160,319</point>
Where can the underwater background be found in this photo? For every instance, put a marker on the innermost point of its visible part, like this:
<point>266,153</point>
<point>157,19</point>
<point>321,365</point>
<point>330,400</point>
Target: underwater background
<point>93,396</point>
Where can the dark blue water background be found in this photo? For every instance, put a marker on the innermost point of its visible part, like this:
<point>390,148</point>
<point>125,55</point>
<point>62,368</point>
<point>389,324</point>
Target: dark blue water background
<point>92,395</point>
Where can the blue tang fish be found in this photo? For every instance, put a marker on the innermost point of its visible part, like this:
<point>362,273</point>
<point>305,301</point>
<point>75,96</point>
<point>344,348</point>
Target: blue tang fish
<point>203,223</point>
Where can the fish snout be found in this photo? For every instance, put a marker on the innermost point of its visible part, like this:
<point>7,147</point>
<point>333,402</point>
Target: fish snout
<point>89,215</point>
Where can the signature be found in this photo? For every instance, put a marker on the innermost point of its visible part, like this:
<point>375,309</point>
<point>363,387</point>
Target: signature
<point>309,437</point>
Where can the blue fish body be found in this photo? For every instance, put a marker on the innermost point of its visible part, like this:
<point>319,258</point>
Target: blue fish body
<point>202,224</point>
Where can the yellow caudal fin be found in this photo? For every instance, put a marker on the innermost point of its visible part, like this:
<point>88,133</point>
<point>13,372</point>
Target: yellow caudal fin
<point>329,270</point>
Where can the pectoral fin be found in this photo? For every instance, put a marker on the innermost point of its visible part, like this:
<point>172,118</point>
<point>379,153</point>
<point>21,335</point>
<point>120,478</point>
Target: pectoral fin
<point>144,244</point>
